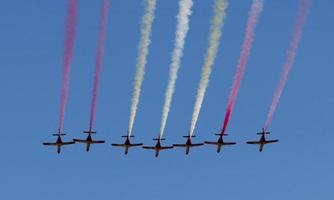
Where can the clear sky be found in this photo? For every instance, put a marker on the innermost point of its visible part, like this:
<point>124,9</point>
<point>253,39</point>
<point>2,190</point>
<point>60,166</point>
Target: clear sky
<point>300,166</point>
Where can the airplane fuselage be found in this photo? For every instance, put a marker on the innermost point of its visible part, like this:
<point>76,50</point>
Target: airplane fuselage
<point>188,145</point>
<point>89,141</point>
<point>59,143</point>
<point>157,148</point>
<point>262,143</point>
<point>59,140</point>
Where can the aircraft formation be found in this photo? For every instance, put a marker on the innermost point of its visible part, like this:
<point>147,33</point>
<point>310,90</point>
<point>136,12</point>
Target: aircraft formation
<point>158,146</point>
<point>185,11</point>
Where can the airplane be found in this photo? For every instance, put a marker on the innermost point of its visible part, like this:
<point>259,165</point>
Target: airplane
<point>158,146</point>
<point>127,144</point>
<point>59,143</point>
<point>89,140</point>
<point>188,144</point>
<point>220,142</point>
<point>262,140</point>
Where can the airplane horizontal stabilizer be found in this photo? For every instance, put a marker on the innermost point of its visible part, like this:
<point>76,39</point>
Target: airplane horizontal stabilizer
<point>128,136</point>
<point>188,136</point>
<point>156,139</point>
<point>59,134</point>
<point>219,134</point>
<point>261,133</point>
<point>89,132</point>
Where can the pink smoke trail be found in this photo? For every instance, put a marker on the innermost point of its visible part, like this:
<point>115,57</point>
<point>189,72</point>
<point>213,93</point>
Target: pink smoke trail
<point>291,54</point>
<point>98,65</point>
<point>254,14</point>
<point>71,21</point>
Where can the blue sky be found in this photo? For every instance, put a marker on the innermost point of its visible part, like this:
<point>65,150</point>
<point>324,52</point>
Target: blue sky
<point>298,167</point>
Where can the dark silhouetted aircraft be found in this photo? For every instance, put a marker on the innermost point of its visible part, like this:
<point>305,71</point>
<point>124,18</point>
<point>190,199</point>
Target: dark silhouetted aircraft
<point>188,144</point>
<point>59,143</point>
<point>89,140</point>
<point>127,144</point>
<point>262,140</point>
<point>158,146</point>
<point>220,142</point>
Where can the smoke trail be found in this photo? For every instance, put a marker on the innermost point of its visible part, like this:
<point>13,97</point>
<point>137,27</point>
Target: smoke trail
<point>215,34</point>
<point>98,64</point>
<point>69,43</point>
<point>254,14</point>
<point>181,33</point>
<point>146,27</point>
<point>291,54</point>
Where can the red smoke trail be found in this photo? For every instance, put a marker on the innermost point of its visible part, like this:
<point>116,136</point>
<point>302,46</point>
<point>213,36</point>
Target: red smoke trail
<point>246,47</point>
<point>291,54</point>
<point>69,42</point>
<point>100,48</point>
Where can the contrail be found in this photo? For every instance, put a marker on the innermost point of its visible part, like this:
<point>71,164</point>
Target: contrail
<point>291,54</point>
<point>254,14</point>
<point>181,33</point>
<point>215,34</point>
<point>146,26</point>
<point>98,64</point>
<point>71,22</point>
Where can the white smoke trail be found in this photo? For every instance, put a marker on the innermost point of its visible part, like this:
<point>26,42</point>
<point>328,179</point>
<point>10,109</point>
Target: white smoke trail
<point>181,33</point>
<point>146,26</point>
<point>215,34</point>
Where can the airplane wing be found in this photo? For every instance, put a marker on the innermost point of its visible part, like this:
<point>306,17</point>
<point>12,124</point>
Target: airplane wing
<point>98,141</point>
<point>67,143</point>
<point>253,142</point>
<point>164,148</point>
<point>179,145</point>
<point>271,141</point>
<point>79,140</point>
<point>49,143</point>
<point>136,145</point>
<point>146,147</point>
<point>229,143</point>
<point>118,145</point>
<point>197,145</point>
<point>208,142</point>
